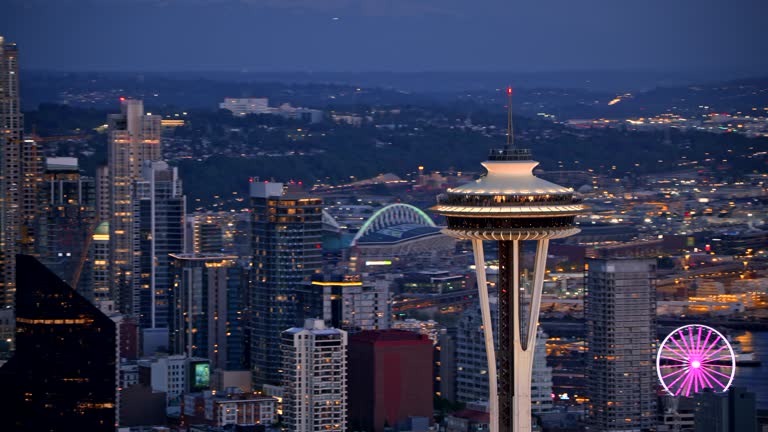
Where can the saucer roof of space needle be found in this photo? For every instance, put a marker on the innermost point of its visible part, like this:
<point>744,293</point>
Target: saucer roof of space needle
<point>509,202</point>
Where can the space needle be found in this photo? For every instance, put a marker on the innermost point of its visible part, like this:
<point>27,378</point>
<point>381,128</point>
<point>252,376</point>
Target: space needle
<point>522,213</point>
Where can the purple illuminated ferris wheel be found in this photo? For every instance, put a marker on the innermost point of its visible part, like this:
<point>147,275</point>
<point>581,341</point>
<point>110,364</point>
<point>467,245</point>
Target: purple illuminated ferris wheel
<point>695,357</point>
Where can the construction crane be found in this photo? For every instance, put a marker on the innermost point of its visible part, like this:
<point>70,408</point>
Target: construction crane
<point>84,255</point>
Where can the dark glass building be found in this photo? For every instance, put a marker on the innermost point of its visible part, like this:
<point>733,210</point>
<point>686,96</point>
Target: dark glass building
<point>208,292</point>
<point>63,375</point>
<point>158,217</point>
<point>287,250</point>
<point>66,216</point>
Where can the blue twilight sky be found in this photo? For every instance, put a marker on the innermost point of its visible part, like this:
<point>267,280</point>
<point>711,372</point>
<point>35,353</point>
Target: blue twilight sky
<point>389,35</point>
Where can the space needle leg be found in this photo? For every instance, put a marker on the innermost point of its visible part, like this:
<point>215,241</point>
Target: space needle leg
<point>522,374</point>
<point>485,311</point>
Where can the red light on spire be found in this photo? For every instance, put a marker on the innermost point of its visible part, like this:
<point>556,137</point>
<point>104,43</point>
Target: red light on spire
<point>509,91</point>
<point>122,98</point>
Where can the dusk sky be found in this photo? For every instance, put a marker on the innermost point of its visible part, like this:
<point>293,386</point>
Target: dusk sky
<point>388,35</point>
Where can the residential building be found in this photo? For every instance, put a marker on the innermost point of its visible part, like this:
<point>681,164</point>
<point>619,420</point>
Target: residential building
<point>98,263</point>
<point>472,364</point>
<point>230,408</point>
<point>471,360</point>
<point>287,251</point>
<point>620,310</point>
<point>65,218</point>
<point>134,137</point>
<point>158,218</point>
<point>11,137</point>
<point>209,298</point>
<point>315,378</point>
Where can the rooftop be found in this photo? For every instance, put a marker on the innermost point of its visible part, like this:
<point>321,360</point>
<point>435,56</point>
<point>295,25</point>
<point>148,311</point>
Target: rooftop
<point>398,233</point>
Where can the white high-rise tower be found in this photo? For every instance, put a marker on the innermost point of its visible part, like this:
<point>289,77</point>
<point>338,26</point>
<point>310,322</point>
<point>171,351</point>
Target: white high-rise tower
<point>513,207</point>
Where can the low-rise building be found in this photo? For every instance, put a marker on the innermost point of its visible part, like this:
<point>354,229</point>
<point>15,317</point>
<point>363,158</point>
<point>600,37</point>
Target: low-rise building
<point>233,408</point>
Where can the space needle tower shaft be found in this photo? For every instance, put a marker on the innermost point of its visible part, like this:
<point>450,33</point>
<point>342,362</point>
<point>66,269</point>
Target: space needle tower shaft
<point>514,208</point>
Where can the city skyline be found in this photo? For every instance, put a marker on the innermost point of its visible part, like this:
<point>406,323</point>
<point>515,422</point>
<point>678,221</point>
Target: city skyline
<point>301,255</point>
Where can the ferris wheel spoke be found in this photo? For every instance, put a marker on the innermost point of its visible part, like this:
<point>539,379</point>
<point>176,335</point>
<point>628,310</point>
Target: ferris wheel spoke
<point>709,355</point>
<point>667,366</point>
<point>711,360</point>
<point>680,358</point>
<point>696,381</point>
<point>673,373</point>
<point>686,382</point>
<point>704,354</point>
<point>685,342</point>
<point>683,350</point>
<point>728,377</point>
<point>681,355</point>
<point>704,344</point>
<point>698,342</point>
<point>715,379</point>
<point>690,337</point>
<point>706,377</point>
<point>672,384</point>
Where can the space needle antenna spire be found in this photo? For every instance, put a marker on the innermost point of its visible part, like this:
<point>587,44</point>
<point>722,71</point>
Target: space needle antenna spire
<point>510,132</point>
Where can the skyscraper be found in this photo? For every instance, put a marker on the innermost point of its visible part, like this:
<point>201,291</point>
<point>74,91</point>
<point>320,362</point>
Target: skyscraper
<point>472,364</point>
<point>315,378</point>
<point>287,245</point>
<point>471,359</point>
<point>134,137</point>
<point>98,263</point>
<point>158,218</point>
<point>63,375</point>
<point>208,292</point>
<point>66,216</point>
<point>11,137</point>
<point>620,310</point>
<point>522,212</point>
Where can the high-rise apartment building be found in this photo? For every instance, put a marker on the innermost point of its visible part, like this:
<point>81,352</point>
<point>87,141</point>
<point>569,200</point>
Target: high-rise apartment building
<point>287,251</point>
<point>209,294</point>
<point>11,137</point>
<point>134,137</point>
<point>32,166</point>
<point>158,228</point>
<point>471,361</point>
<point>472,364</point>
<point>65,218</point>
<point>315,378</point>
<point>620,310</point>
<point>103,206</point>
<point>98,263</point>
<point>63,375</point>
<point>204,233</point>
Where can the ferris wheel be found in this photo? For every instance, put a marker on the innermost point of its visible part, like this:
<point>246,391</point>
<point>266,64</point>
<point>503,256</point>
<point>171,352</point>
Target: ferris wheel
<point>695,357</point>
